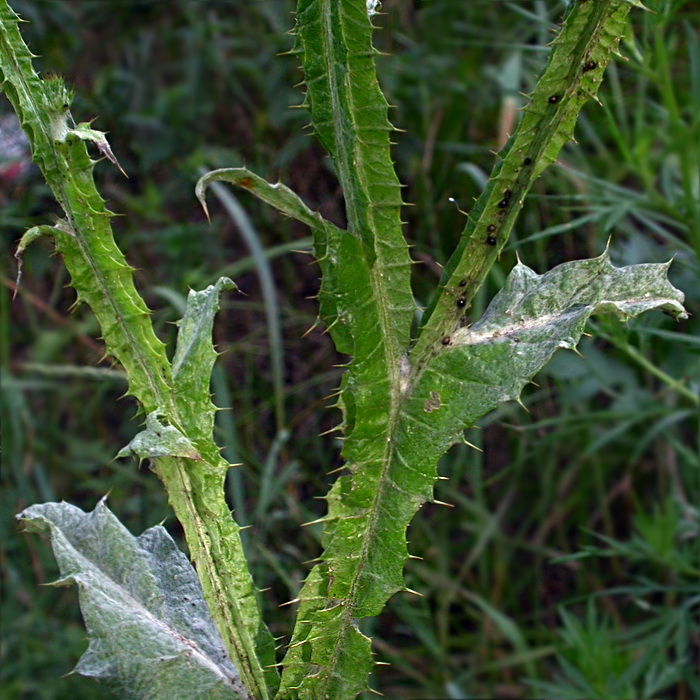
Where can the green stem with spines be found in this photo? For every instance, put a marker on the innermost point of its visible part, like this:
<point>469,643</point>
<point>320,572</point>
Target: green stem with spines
<point>103,279</point>
<point>369,509</point>
<point>329,656</point>
<point>587,42</point>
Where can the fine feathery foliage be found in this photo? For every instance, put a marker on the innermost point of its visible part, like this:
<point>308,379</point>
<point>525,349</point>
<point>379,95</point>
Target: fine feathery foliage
<point>404,400</point>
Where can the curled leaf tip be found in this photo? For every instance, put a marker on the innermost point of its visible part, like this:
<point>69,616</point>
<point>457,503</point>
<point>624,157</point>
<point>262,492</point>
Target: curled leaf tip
<point>200,193</point>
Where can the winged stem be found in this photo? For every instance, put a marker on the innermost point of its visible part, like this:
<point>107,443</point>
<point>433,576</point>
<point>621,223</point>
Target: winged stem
<point>103,279</point>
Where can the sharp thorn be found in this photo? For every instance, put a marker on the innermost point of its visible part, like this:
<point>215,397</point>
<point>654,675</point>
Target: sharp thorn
<point>289,602</point>
<point>410,590</point>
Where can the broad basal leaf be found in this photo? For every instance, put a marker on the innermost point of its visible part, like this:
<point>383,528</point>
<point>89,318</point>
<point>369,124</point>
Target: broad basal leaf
<point>151,635</point>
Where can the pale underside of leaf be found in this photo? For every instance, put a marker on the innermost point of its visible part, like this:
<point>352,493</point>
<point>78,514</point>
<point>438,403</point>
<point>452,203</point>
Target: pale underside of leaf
<point>151,635</point>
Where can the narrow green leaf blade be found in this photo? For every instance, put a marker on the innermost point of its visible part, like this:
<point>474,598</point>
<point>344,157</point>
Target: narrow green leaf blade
<point>587,42</point>
<point>193,363</point>
<point>151,635</point>
<point>349,117</point>
<point>28,237</point>
<point>327,238</point>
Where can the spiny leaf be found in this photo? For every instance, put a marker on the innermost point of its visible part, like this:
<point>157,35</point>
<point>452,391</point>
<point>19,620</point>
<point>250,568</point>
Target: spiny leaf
<point>193,363</point>
<point>587,42</point>
<point>349,115</point>
<point>28,237</point>
<point>103,279</point>
<point>160,439</point>
<point>369,277</point>
<point>324,232</point>
<point>151,635</point>
<point>528,320</point>
<point>84,132</point>
<point>479,368</point>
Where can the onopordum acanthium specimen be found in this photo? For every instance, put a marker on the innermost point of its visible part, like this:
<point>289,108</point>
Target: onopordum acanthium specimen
<point>404,400</point>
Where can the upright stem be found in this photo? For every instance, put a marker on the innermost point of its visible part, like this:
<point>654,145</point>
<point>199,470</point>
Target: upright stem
<point>103,279</point>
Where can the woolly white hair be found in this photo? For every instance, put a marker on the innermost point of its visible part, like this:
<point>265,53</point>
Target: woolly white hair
<point>372,7</point>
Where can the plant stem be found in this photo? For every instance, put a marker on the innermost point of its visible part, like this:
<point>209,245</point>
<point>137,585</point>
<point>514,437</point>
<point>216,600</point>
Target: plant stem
<point>103,279</point>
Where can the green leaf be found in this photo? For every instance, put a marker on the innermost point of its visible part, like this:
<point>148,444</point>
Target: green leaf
<point>324,232</point>
<point>151,635</point>
<point>349,117</point>
<point>84,132</point>
<point>528,320</point>
<point>587,42</point>
<point>28,237</point>
<point>193,363</point>
<point>476,370</point>
<point>160,439</point>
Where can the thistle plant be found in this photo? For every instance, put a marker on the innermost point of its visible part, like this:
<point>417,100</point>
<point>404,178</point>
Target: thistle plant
<point>405,398</point>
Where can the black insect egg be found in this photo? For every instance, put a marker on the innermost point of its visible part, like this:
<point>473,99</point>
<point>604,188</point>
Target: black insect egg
<point>461,303</point>
<point>491,240</point>
<point>527,161</point>
<point>553,99</point>
<point>506,198</point>
<point>589,65</point>
<point>446,340</point>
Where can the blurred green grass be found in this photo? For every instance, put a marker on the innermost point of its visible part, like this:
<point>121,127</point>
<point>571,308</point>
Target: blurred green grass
<point>568,566</point>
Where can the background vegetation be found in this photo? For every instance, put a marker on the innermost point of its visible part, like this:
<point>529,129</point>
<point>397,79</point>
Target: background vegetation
<point>568,566</point>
